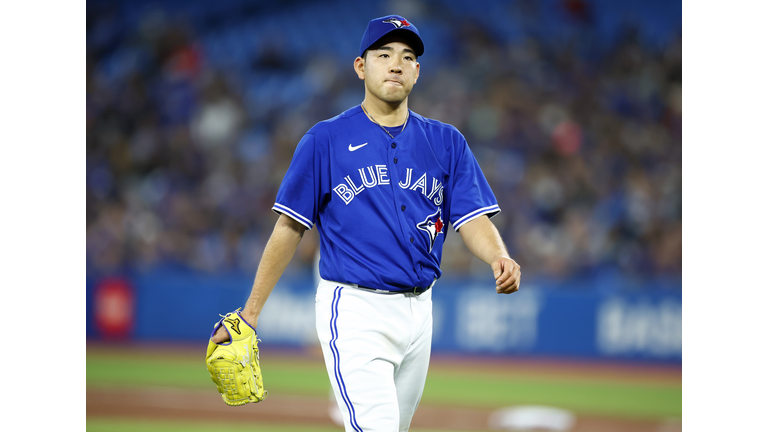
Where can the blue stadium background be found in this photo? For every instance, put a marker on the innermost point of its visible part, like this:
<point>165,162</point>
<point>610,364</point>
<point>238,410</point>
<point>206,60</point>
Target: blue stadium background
<point>572,107</point>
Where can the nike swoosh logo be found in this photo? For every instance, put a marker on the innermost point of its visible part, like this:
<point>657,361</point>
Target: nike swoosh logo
<point>353,148</point>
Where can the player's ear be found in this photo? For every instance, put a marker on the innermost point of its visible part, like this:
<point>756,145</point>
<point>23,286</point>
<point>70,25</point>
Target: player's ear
<point>418,67</point>
<point>360,67</point>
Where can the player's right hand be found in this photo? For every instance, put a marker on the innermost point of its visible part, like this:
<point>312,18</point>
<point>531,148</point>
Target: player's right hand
<point>222,335</point>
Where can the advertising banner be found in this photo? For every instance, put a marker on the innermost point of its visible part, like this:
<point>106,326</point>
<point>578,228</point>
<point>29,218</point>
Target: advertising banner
<point>469,317</point>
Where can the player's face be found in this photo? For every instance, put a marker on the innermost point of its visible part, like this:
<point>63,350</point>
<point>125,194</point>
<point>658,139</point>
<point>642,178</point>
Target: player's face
<point>389,71</point>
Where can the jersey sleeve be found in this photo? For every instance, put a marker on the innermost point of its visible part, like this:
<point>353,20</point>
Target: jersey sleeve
<point>470,195</point>
<point>299,192</point>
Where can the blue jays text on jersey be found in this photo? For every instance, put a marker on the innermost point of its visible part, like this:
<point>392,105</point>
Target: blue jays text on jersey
<point>382,205</point>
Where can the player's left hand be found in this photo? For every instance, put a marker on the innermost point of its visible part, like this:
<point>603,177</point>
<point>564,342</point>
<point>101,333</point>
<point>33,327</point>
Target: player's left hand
<point>507,274</point>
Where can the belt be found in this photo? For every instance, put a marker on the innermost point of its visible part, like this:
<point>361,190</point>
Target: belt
<point>409,290</point>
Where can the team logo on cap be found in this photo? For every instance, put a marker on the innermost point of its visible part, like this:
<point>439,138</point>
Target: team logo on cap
<point>432,225</point>
<point>399,23</point>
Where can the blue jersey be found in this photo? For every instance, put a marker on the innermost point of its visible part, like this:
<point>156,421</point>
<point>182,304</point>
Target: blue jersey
<point>382,205</point>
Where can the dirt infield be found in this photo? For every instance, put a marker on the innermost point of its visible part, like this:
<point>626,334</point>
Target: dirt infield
<point>192,404</point>
<point>166,403</point>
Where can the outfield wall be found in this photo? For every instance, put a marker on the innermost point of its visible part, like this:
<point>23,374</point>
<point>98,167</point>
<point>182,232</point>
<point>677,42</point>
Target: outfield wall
<point>544,319</point>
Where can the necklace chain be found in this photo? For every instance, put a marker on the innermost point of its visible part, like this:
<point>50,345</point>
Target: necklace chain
<point>382,127</point>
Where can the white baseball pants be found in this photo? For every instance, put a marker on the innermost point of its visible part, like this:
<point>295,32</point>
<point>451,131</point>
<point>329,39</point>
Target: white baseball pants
<point>376,349</point>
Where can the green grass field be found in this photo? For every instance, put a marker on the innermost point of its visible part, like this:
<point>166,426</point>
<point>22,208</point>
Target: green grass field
<point>446,386</point>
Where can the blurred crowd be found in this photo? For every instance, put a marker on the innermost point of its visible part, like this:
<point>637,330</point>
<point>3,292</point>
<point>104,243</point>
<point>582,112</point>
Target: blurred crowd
<point>581,142</point>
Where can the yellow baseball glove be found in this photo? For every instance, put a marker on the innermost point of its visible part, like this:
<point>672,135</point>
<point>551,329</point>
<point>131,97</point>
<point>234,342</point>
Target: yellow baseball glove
<point>234,365</point>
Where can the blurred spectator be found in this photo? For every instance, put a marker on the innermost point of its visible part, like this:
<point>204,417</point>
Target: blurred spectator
<point>192,120</point>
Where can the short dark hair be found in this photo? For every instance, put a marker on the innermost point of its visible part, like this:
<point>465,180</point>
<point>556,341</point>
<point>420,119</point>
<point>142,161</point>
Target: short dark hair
<point>401,36</point>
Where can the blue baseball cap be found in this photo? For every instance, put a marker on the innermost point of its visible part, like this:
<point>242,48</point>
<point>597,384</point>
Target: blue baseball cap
<point>380,27</point>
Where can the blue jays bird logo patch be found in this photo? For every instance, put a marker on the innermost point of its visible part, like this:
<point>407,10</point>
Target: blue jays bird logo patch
<point>399,23</point>
<point>432,225</point>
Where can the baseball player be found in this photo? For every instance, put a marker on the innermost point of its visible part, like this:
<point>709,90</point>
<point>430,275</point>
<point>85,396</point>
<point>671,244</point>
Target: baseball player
<point>381,184</point>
